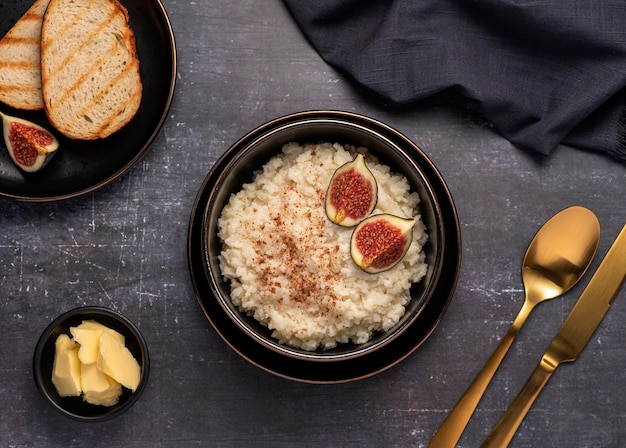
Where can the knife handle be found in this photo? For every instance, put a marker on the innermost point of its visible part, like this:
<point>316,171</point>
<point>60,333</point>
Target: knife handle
<point>505,429</point>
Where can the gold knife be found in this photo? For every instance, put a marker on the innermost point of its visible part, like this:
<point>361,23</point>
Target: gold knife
<point>569,342</point>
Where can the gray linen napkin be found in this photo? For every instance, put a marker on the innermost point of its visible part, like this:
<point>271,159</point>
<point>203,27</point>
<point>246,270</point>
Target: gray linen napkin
<point>543,72</point>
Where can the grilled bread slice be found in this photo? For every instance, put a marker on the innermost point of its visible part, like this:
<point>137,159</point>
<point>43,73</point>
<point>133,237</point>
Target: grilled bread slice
<point>89,68</point>
<point>20,75</point>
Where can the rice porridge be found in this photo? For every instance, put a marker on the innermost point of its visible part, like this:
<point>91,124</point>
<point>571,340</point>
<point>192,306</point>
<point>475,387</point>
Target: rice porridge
<point>289,266</point>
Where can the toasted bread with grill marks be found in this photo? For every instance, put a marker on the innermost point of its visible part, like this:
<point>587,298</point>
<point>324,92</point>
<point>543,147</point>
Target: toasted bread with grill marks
<point>91,82</point>
<point>20,75</point>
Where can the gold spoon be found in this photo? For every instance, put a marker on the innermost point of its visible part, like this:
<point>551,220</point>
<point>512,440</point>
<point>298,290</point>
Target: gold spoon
<point>556,259</point>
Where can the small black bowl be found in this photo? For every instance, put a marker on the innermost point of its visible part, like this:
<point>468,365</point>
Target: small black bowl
<point>43,360</point>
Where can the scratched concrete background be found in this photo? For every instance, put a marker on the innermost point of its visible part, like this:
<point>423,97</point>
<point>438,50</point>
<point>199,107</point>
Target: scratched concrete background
<point>124,247</point>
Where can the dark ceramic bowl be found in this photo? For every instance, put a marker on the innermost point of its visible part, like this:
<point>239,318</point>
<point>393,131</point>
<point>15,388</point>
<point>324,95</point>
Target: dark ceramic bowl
<point>429,298</point>
<point>75,407</point>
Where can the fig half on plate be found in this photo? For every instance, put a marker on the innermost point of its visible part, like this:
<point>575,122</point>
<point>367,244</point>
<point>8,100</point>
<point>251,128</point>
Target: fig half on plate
<point>30,146</point>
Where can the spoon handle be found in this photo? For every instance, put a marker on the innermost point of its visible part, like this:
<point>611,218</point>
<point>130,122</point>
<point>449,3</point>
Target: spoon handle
<point>453,426</point>
<point>506,427</point>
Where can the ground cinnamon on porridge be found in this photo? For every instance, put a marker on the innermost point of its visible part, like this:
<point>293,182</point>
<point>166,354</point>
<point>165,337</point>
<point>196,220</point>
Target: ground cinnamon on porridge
<point>290,267</point>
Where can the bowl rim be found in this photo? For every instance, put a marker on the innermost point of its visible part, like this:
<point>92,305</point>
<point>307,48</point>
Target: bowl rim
<point>92,312</point>
<point>206,295</point>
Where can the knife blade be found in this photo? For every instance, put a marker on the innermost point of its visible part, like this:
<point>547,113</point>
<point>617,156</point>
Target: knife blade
<point>570,340</point>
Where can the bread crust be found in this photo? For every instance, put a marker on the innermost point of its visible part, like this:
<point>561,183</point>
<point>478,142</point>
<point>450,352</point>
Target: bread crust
<point>91,82</point>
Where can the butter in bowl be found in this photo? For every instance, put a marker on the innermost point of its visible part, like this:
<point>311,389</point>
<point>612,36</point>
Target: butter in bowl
<point>91,364</point>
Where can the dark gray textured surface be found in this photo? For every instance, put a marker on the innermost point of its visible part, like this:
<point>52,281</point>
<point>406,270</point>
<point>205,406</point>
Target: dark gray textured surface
<point>124,247</point>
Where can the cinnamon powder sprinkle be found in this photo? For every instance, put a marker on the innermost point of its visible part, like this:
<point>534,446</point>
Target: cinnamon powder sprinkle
<point>290,267</point>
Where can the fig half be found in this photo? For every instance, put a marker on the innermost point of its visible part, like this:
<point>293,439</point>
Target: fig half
<point>30,146</point>
<point>352,193</point>
<point>379,242</point>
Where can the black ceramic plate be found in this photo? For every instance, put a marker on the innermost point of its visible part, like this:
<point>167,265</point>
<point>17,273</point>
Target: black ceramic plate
<point>83,166</point>
<point>340,370</point>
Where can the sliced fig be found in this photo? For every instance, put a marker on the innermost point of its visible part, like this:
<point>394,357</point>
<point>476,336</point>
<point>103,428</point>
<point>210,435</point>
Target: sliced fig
<point>352,193</point>
<point>30,146</point>
<point>379,242</point>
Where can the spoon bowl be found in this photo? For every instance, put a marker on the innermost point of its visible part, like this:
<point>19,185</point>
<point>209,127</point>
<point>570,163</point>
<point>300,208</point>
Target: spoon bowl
<point>560,254</point>
<point>556,259</point>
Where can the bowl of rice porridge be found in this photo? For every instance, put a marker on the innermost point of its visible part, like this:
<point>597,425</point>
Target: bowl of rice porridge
<point>275,276</point>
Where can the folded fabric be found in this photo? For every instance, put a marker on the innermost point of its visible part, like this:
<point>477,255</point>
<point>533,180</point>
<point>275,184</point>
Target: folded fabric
<point>544,72</point>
